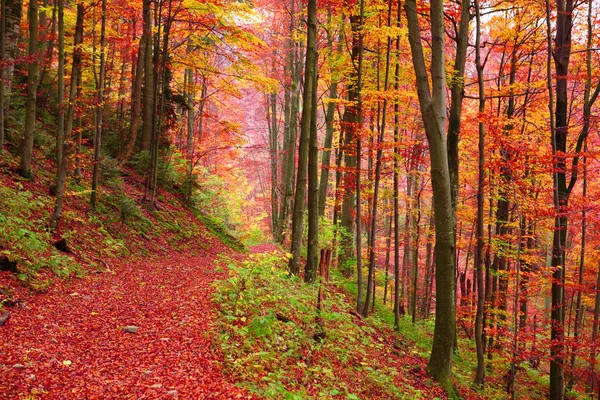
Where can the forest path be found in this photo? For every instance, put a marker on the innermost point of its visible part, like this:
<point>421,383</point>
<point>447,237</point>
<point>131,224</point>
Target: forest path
<point>70,342</point>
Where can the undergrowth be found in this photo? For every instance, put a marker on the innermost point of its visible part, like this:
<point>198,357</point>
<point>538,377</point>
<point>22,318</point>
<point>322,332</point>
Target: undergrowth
<point>24,241</point>
<point>277,345</point>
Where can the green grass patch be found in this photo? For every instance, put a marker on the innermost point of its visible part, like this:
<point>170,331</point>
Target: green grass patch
<point>24,239</point>
<point>277,345</point>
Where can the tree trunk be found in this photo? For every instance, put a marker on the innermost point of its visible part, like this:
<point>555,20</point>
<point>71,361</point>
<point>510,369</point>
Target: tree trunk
<point>415,249</point>
<point>271,102</point>
<point>433,110</point>
<point>310,89</point>
<point>60,130</point>
<point>32,77</point>
<point>479,322</point>
<point>396,195</point>
<point>380,140</point>
<point>98,109</point>
<point>358,24</point>
<point>329,117</point>
<point>148,94</point>
<point>2,84</point>
<point>288,160</point>
<point>12,14</point>
<point>305,136</point>
<point>136,102</point>
<point>559,133</point>
<point>73,94</point>
<point>426,304</point>
<point>349,126</point>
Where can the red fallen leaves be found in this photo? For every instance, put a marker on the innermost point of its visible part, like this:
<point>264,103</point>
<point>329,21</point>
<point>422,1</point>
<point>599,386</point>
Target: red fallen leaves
<point>70,343</point>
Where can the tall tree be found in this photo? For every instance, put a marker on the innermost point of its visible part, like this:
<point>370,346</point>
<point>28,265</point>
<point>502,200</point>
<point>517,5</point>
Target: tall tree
<point>432,103</point>
<point>371,277</point>
<point>100,77</point>
<point>479,322</point>
<point>32,81</point>
<point>329,117</point>
<point>293,70</point>
<point>11,30</point>
<point>148,93</point>
<point>303,150</point>
<point>2,57</point>
<point>74,89</point>
<point>136,102</point>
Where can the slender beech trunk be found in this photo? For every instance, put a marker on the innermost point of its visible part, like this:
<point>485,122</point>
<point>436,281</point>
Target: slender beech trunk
<point>415,253</point>
<point>271,103</point>
<point>595,324</point>
<point>74,90</point>
<point>161,84</point>
<point>310,89</point>
<point>429,262</point>
<point>30,105</point>
<point>60,100</point>
<point>349,125</point>
<point>136,102</point>
<point>380,140</point>
<point>396,195</point>
<point>292,98</point>
<point>303,150</point>
<point>388,250</point>
<point>503,226</point>
<point>358,132</point>
<point>585,129</point>
<point>329,117</point>
<point>99,108</point>
<point>562,185</point>
<point>11,29</point>
<point>479,339</point>
<point>2,84</point>
<point>148,92</point>
<point>433,110</point>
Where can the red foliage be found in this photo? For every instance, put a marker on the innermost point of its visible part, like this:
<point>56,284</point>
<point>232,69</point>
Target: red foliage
<point>69,342</point>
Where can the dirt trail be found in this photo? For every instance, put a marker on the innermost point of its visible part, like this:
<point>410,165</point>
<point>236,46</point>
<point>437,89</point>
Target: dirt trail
<point>69,343</point>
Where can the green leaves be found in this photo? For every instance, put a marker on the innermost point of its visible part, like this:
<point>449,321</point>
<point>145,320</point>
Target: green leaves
<point>269,325</point>
<point>22,241</point>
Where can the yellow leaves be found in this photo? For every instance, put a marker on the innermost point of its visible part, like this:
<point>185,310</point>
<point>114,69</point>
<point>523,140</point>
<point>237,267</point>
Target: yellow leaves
<point>67,363</point>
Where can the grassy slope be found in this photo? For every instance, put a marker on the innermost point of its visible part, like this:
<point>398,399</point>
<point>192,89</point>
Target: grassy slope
<point>121,226</point>
<point>268,320</point>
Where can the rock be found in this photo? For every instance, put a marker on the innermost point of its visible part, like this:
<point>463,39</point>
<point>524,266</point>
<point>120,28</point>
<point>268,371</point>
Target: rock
<point>131,328</point>
<point>4,317</point>
<point>8,265</point>
<point>18,366</point>
<point>172,393</point>
<point>61,245</point>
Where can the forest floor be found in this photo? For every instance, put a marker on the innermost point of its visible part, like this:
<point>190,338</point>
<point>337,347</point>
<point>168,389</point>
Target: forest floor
<point>77,339</point>
<point>128,311</point>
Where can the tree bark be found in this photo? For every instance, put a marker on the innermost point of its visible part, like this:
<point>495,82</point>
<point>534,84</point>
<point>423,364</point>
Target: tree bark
<point>305,128</point>
<point>329,117</point>
<point>12,14</point>
<point>148,93</point>
<point>73,92</point>
<point>312,256</point>
<point>479,322</point>
<point>433,110</point>
<point>136,102</point>
<point>99,109</point>
<point>2,84</point>
<point>290,129</point>
<point>32,77</point>
<point>371,278</point>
